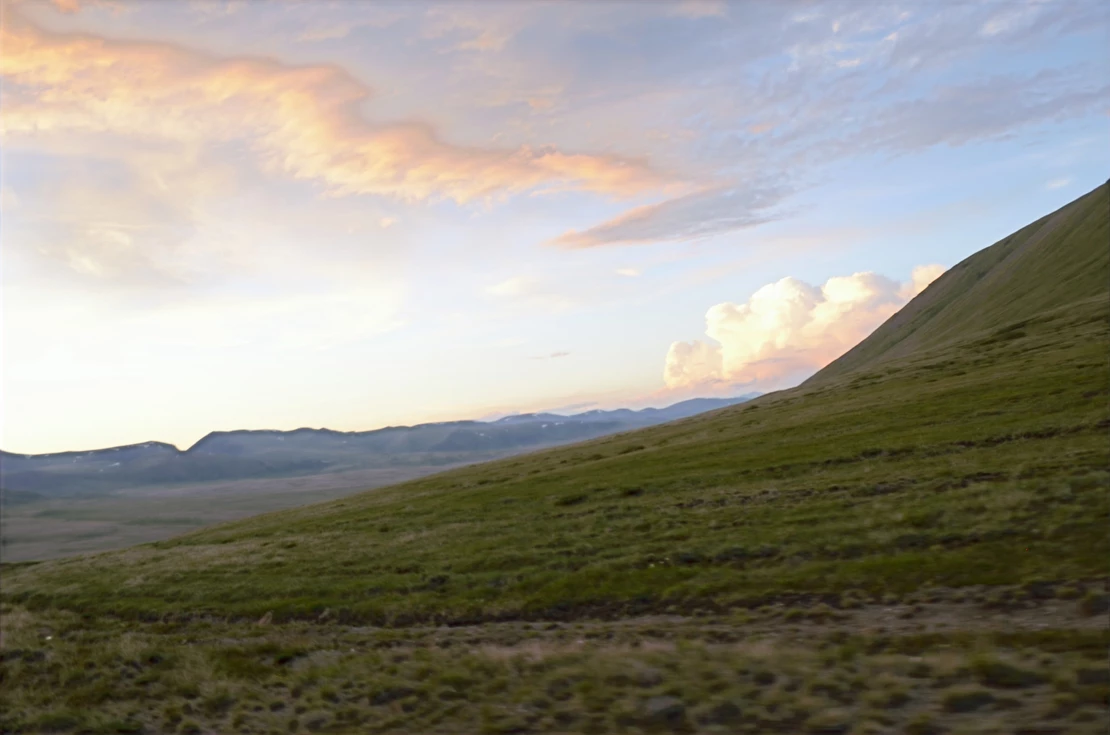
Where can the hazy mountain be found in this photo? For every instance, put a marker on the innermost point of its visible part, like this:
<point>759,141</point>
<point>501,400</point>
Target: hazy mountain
<point>231,455</point>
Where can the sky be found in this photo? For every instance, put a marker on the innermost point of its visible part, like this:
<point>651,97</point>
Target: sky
<point>276,214</point>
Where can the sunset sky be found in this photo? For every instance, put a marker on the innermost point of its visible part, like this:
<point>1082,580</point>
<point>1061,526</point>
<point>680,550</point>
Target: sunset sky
<point>275,214</point>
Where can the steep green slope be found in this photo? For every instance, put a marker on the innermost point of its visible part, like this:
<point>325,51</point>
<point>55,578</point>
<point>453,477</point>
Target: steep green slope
<point>1060,258</point>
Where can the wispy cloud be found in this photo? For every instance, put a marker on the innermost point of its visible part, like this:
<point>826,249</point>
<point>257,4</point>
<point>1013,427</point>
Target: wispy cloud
<point>300,121</point>
<point>69,7</point>
<point>684,218</point>
<point>1058,183</point>
<point>983,109</point>
<point>533,292</point>
<point>370,17</point>
<point>701,9</point>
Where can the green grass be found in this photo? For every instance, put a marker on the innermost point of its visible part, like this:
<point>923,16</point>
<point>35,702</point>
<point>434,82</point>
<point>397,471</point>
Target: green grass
<point>915,546</point>
<point>641,677</point>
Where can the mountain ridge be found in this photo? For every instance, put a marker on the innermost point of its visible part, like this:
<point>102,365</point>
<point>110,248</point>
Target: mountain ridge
<point>708,403</point>
<point>269,453</point>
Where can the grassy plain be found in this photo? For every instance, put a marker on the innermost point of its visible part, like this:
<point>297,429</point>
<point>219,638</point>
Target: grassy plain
<point>37,527</point>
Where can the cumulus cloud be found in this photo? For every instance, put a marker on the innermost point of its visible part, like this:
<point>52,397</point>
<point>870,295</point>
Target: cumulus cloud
<point>300,121</point>
<point>920,278</point>
<point>788,329</point>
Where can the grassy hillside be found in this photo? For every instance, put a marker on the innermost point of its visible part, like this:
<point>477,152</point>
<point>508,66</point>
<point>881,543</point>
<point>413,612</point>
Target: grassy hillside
<point>1060,258</point>
<point>918,545</point>
<point>944,468</point>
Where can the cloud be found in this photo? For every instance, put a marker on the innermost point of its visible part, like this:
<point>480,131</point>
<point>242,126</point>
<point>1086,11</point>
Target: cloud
<point>788,330</point>
<point>692,363</point>
<point>145,218</point>
<point>488,28</point>
<point>298,121</point>
<point>701,9</point>
<point>1058,183</point>
<point>515,286</point>
<point>984,109</point>
<point>326,33</point>
<point>552,356</point>
<point>688,217</point>
<point>533,292</point>
<point>387,222</point>
<point>337,30</point>
<point>74,338</point>
<point>69,7</point>
<point>920,278</point>
<point>628,272</point>
<point>9,200</point>
<point>566,409</point>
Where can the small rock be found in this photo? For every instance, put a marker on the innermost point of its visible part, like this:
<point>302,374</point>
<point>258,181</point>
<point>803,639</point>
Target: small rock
<point>764,678</point>
<point>1089,677</point>
<point>725,713</point>
<point>648,677</point>
<point>316,721</point>
<point>266,619</point>
<point>1094,604</point>
<point>967,701</point>
<point>391,694</point>
<point>664,711</point>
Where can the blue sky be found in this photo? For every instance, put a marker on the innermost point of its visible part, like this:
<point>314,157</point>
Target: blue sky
<point>276,214</point>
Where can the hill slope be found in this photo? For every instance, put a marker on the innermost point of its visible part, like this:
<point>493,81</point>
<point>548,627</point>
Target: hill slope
<point>897,548</point>
<point>1060,258</point>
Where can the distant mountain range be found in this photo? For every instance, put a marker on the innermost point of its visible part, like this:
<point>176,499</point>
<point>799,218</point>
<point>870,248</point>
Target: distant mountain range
<point>233,455</point>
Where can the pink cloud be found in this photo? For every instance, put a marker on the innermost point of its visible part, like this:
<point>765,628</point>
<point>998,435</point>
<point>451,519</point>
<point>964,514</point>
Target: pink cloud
<point>299,121</point>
